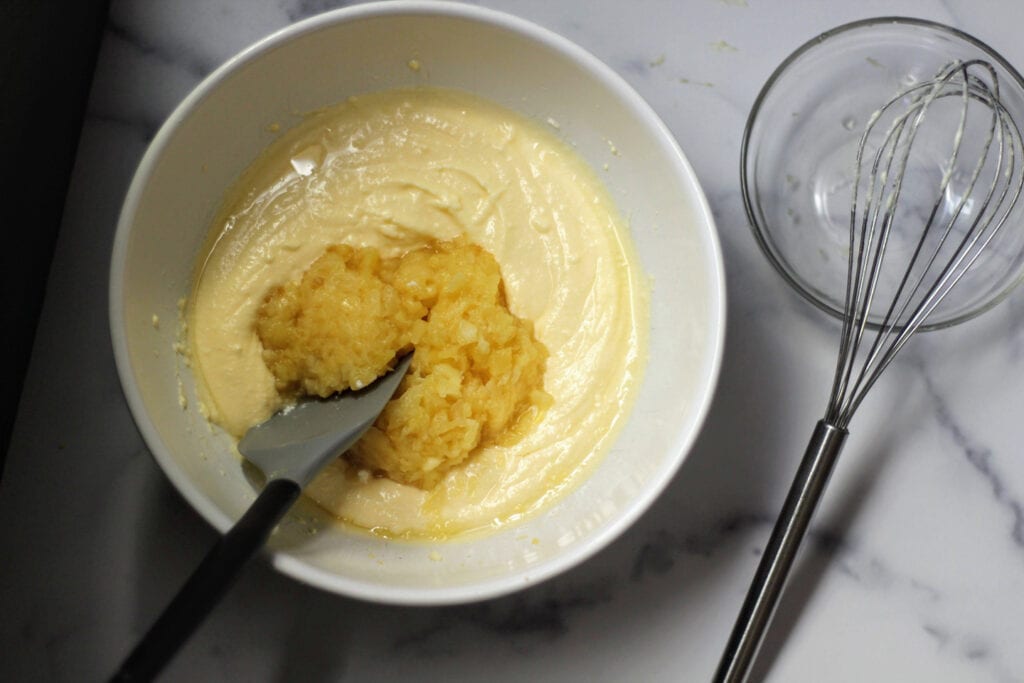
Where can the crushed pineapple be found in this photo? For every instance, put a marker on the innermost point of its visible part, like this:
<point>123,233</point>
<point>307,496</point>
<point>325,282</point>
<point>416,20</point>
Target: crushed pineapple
<point>339,327</point>
<point>477,377</point>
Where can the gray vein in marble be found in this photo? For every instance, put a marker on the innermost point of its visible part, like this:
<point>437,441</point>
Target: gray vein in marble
<point>831,551</point>
<point>634,66</point>
<point>144,116</point>
<point>195,66</point>
<point>521,621</point>
<point>658,555</point>
<point>939,633</point>
<point>972,649</point>
<point>873,574</point>
<point>979,456</point>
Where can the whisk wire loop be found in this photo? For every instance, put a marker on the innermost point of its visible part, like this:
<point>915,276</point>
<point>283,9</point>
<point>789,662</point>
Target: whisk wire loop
<point>943,249</point>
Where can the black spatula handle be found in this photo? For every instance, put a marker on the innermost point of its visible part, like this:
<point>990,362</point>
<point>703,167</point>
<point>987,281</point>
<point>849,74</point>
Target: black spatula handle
<point>208,583</point>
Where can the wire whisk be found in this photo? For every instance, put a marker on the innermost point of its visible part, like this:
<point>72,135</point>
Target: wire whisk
<point>904,259</point>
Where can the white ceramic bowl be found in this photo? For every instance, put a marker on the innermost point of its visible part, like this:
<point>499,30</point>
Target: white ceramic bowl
<point>219,129</point>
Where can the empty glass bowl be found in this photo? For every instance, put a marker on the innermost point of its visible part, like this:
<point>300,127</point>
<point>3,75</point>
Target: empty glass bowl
<point>799,155</point>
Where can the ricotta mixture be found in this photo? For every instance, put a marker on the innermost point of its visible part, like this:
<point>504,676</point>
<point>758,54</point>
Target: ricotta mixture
<point>395,171</point>
<point>477,374</point>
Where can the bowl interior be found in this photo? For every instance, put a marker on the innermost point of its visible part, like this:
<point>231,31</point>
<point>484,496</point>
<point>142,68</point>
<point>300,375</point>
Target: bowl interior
<point>220,129</point>
<point>800,158</point>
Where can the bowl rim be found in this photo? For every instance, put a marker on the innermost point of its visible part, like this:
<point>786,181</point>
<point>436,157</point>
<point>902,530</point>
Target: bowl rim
<point>506,582</point>
<point>760,231</point>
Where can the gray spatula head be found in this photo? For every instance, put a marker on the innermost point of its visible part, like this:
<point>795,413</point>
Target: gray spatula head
<point>298,442</point>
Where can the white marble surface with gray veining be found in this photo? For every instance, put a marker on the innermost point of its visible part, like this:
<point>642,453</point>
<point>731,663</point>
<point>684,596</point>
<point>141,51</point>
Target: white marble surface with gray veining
<point>914,568</point>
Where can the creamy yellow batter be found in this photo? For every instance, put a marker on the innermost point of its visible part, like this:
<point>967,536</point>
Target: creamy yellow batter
<point>395,170</point>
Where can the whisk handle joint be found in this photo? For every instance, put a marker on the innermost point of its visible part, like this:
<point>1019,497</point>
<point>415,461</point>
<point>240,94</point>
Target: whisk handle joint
<point>759,605</point>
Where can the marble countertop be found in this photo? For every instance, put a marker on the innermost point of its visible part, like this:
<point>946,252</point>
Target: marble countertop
<point>914,567</point>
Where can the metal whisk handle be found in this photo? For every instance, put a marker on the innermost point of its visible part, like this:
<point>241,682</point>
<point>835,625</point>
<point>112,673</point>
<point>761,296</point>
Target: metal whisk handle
<point>763,595</point>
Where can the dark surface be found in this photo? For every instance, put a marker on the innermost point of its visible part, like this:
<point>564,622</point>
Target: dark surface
<point>47,54</point>
<point>208,584</point>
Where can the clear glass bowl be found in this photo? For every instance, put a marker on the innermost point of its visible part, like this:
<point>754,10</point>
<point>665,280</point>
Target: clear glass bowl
<point>798,156</point>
